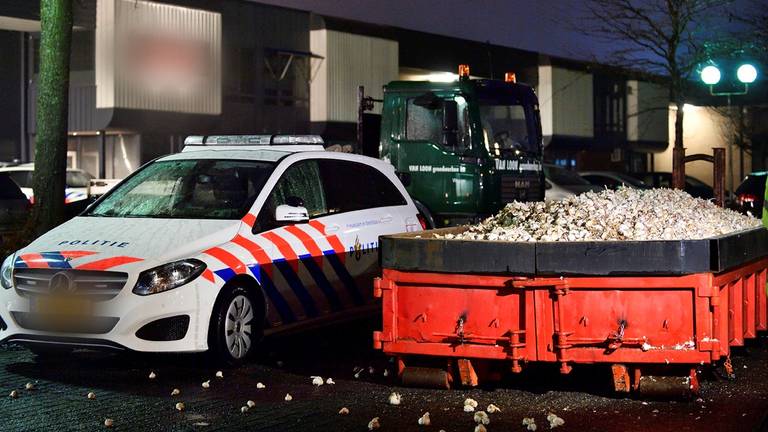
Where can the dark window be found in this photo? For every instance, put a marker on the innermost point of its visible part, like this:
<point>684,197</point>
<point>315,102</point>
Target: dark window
<point>9,189</point>
<point>286,78</point>
<point>351,186</point>
<point>21,178</point>
<point>301,180</point>
<point>239,77</point>
<point>602,181</point>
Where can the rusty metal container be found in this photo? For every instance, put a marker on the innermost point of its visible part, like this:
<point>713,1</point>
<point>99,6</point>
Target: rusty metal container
<point>627,304</point>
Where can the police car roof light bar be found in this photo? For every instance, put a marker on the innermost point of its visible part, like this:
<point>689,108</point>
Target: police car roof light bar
<point>252,140</point>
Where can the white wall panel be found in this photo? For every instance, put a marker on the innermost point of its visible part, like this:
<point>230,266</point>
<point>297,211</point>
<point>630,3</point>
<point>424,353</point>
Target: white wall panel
<point>647,112</point>
<point>566,102</point>
<point>350,61</point>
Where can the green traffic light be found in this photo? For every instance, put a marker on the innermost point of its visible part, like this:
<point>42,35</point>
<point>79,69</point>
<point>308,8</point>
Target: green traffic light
<point>746,73</point>
<point>710,75</point>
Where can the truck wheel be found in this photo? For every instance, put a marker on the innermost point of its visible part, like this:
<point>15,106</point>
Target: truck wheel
<point>235,326</point>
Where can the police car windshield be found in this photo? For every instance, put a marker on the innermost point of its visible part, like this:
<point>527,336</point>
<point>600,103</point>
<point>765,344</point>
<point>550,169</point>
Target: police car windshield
<point>187,189</point>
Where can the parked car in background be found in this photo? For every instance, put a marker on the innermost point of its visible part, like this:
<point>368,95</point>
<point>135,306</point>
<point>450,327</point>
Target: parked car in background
<point>561,183</point>
<point>78,181</point>
<point>99,187</point>
<point>612,179</point>
<point>8,163</point>
<point>693,186</point>
<point>14,205</point>
<point>750,194</point>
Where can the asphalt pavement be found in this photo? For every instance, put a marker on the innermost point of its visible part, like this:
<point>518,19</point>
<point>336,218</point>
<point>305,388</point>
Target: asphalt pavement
<point>125,393</point>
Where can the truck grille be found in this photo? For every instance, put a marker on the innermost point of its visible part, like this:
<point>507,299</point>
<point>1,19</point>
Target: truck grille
<point>514,188</point>
<point>97,285</point>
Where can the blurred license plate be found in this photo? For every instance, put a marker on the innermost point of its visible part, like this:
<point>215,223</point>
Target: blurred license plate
<point>62,306</point>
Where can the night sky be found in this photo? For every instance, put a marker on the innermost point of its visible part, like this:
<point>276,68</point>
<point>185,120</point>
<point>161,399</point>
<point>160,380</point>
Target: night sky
<point>545,26</point>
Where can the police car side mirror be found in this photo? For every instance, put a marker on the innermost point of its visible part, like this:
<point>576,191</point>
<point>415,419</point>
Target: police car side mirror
<point>291,214</point>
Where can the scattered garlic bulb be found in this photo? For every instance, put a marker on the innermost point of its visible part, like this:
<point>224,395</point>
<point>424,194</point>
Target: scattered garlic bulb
<point>374,424</point>
<point>424,419</point>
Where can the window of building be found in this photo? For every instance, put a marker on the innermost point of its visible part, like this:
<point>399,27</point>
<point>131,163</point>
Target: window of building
<point>239,73</point>
<point>287,76</point>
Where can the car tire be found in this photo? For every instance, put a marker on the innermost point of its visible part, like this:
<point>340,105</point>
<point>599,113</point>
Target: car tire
<point>236,326</point>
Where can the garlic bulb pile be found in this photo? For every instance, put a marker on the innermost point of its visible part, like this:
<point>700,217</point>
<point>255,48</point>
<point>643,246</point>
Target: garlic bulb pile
<point>623,214</point>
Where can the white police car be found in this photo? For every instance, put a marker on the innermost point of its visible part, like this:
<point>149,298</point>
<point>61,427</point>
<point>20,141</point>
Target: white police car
<point>208,249</point>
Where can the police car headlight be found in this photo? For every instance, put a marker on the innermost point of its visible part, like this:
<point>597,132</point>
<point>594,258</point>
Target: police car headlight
<point>6,272</point>
<point>169,276</point>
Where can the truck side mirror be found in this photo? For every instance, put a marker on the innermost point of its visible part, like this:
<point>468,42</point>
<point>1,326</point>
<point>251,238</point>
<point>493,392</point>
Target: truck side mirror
<point>450,123</point>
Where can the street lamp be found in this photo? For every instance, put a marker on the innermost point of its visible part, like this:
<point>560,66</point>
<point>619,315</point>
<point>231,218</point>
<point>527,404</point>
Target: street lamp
<point>710,75</point>
<point>746,73</point>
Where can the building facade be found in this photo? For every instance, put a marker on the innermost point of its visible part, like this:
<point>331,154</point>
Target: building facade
<point>146,74</point>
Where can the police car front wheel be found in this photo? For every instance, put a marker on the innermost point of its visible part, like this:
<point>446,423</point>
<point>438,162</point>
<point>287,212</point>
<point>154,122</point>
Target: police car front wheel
<point>235,328</point>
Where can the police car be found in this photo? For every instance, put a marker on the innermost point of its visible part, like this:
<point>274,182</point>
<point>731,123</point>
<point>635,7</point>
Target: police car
<point>209,249</point>
<point>77,181</point>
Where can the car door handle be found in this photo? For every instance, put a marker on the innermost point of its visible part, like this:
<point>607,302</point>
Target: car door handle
<point>332,228</point>
<point>386,219</point>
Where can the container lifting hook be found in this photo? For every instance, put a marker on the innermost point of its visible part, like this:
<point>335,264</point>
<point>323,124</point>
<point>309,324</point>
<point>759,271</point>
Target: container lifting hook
<point>615,340</point>
<point>460,327</point>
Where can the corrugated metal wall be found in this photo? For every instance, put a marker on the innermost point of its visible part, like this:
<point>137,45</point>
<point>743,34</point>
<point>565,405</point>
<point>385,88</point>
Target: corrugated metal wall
<point>566,101</point>
<point>350,61</point>
<point>573,102</point>
<point>120,20</point>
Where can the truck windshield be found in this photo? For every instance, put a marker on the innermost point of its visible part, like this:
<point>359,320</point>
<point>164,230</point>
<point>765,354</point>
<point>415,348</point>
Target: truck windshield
<point>506,130</point>
<point>187,189</point>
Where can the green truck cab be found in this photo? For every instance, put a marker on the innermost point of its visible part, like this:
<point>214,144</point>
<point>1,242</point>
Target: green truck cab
<point>464,148</point>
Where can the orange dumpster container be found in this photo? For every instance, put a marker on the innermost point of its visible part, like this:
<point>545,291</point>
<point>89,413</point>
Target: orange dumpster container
<point>679,315</point>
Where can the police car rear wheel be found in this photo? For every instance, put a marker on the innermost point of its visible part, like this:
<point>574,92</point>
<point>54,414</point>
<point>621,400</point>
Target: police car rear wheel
<point>235,327</point>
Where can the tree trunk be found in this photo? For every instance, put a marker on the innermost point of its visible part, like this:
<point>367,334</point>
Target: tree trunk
<point>52,113</point>
<point>678,152</point>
